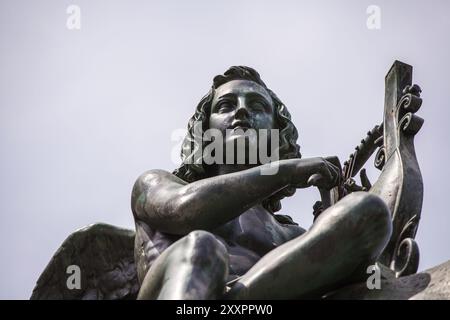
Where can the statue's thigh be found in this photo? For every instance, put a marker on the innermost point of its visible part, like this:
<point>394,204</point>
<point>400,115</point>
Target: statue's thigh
<point>344,239</point>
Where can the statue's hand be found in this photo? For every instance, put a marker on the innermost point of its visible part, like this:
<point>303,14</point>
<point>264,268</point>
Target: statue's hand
<point>318,172</point>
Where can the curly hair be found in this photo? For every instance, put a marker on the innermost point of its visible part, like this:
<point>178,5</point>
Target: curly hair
<point>191,170</point>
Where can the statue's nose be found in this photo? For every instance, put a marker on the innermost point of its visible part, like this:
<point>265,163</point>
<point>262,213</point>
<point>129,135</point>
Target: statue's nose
<point>241,112</point>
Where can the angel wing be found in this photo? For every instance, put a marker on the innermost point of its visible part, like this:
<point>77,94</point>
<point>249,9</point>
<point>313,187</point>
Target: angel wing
<point>105,257</point>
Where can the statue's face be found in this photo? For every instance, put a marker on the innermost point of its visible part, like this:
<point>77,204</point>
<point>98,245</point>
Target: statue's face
<point>241,104</point>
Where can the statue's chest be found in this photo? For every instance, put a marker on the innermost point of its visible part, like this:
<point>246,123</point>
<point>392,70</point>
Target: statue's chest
<point>255,230</point>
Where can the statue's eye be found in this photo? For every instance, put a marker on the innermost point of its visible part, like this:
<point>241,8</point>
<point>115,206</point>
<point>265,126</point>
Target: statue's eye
<point>258,105</point>
<point>224,106</point>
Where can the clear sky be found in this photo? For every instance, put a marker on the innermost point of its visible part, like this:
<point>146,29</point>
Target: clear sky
<point>84,112</point>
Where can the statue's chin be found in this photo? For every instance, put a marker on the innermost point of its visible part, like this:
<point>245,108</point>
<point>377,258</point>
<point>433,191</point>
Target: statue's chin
<point>238,137</point>
<point>244,149</point>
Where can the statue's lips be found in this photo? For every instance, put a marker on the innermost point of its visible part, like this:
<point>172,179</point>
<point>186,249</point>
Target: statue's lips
<point>241,128</point>
<point>243,125</point>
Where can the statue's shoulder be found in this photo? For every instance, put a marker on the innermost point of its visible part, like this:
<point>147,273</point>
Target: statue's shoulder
<point>150,188</point>
<point>158,175</point>
<point>153,174</point>
<point>155,178</point>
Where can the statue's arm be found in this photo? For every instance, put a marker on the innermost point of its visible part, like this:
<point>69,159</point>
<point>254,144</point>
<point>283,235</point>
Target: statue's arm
<point>171,205</point>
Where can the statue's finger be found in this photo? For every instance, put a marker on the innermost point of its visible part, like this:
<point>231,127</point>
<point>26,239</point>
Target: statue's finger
<point>315,180</point>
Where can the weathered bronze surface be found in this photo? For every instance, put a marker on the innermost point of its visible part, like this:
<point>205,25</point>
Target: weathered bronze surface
<point>209,231</point>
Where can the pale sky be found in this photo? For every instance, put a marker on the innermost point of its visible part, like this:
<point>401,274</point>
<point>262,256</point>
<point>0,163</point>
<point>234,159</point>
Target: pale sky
<point>84,112</point>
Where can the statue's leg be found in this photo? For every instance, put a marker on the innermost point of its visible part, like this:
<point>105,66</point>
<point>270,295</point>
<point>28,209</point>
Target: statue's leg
<point>343,241</point>
<point>194,267</point>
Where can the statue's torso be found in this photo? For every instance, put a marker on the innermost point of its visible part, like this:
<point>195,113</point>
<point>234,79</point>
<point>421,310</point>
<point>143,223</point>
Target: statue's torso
<point>247,238</point>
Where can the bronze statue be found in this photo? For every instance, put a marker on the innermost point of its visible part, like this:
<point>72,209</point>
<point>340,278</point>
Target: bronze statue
<point>206,225</point>
<point>211,231</point>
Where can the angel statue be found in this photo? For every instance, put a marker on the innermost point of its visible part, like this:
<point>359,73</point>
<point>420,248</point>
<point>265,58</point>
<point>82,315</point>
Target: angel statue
<point>210,229</point>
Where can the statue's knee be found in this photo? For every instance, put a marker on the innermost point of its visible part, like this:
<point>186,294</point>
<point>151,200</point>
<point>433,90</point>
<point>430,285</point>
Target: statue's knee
<point>201,238</point>
<point>201,244</point>
<point>201,235</point>
<point>371,220</point>
<point>372,209</point>
<point>357,209</point>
